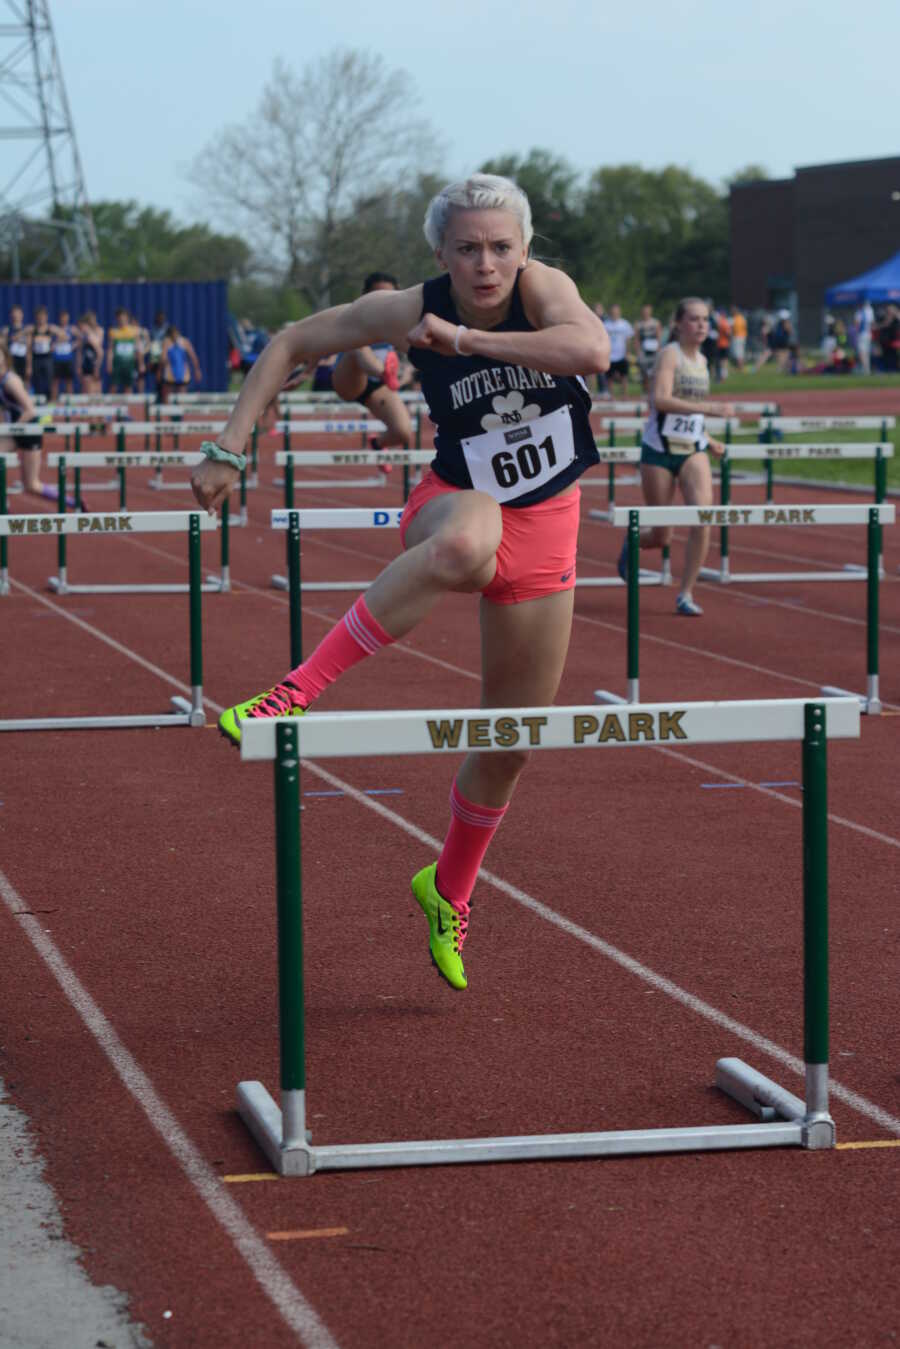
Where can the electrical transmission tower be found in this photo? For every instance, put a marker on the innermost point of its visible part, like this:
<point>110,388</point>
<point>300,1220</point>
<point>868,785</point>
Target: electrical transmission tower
<point>46,227</point>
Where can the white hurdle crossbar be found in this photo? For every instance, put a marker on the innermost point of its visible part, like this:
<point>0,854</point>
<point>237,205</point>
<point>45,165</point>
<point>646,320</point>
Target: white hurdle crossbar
<point>783,1119</point>
<point>124,524</point>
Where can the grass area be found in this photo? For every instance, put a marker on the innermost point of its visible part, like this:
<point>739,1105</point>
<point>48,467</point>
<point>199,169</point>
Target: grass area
<point>769,381</point>
<point>856,471</point>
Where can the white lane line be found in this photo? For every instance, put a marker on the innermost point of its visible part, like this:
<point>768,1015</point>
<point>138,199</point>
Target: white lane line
<point>272,1278</point>
<point>663,985</point>
<point>845,1094</point>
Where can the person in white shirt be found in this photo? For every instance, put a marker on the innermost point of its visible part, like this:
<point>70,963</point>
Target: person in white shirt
<point>863,323</point>
<point>620,334</point>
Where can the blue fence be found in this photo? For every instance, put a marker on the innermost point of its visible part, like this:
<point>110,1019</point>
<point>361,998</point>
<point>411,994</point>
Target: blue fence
<point>199,309</point>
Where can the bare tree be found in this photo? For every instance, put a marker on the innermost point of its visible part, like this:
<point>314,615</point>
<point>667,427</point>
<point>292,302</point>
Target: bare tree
<point>344,130</point>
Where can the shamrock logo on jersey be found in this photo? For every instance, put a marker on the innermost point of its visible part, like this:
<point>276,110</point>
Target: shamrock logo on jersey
<point>509,410</point>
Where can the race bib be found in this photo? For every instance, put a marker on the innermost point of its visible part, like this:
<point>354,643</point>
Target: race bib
<point>18,349</point>
<point>511,460</point>
<point>650,344</point>
<point>682,429</point>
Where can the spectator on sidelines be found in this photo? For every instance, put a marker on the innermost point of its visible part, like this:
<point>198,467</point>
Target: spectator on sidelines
<point>710,347</point>
<point>889,339</point>
<point>620,334</point>
<point>65,355</point>
<point>15,339</point>
<point>176,361</point>
<point>602,385</point>
<point>723,344</point>
<point>154,353</point>
<point>863,323</point>
<point>124,358</point>
<point>649,339</point>
<point>41,336</point>
<point>143,351</point>
<point>90,350</point>
<point>738,337</point>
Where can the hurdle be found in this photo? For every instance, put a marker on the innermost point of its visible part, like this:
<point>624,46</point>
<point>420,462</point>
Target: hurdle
<point>193,523</point>
<point>765,450</point>
<point>783,1119</point>
<point>215,584</point>
<point>871,516</point>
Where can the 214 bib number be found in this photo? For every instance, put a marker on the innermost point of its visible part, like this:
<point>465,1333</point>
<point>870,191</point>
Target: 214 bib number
<point>683,428</point>
<point>511,460</point>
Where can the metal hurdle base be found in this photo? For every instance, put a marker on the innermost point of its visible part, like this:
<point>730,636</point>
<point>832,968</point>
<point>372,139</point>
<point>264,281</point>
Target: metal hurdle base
<point>187,715</point>
<point>212,586</point>
<point>870,701</point>
<point>725,576</point>
<point>783,1121</point>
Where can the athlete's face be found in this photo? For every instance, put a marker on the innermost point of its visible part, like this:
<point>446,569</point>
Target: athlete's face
<point>693,326</point>
<point>483,251</point>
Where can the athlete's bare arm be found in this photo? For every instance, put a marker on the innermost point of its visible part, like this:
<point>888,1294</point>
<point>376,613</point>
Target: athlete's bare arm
<point>383,315</point>
<point>570,340</point>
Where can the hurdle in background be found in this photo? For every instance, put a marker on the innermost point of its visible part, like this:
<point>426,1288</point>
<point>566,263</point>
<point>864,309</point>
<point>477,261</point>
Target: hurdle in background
<point>871,516</point>
<point>214,584</point>
<point>765,450</point>
<point>122,525</point>
<point>387,517</point>
<point>784,1119</point>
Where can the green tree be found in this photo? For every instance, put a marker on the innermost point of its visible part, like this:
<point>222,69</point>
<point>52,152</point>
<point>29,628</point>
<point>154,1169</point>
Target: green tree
<point>141,243</point>
<point>344,131</point>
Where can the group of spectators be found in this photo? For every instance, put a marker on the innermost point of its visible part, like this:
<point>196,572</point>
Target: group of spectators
<point>634,346</point>
<point>128,357</point>
<point>742,340</point>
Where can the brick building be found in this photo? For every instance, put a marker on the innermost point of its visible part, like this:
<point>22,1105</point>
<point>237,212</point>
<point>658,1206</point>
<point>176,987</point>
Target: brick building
<point>791,238</point>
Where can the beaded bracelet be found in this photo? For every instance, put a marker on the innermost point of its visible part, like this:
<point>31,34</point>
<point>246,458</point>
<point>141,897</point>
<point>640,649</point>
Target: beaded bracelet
<point>211,450</point>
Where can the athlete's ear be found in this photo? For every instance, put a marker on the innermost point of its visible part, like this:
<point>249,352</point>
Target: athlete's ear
<point>438,253</point>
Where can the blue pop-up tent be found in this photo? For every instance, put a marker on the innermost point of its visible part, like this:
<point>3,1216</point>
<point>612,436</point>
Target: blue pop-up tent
<point>880,285</point>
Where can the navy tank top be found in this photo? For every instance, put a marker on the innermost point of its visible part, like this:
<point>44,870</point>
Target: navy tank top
<point>468,396</point>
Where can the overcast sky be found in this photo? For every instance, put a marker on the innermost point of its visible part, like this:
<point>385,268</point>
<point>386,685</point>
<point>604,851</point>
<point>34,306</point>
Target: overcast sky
<point>705,84</point>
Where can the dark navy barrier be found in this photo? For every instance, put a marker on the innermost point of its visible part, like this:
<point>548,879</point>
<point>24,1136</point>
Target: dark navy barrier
<point>199,309</point>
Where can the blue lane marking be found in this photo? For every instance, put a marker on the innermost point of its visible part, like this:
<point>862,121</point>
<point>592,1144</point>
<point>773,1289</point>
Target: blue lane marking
<point>722,786</point>
<point>369,791</point>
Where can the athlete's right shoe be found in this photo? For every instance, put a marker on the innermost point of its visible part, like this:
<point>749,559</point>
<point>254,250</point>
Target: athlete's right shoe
<point>447,926</point>
<point>281,701</point>
<point>687,607</point>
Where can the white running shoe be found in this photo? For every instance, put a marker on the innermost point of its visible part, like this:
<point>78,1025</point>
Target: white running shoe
<point>687,606</point>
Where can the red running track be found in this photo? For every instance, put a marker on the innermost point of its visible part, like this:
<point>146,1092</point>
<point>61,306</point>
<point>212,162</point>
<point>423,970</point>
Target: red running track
<point>146,859</point>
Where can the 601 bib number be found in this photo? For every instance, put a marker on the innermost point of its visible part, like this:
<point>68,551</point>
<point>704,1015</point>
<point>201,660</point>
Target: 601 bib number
<point>524,462</point>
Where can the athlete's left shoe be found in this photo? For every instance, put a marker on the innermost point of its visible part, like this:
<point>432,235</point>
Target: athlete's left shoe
<point>688,607</point>
<point>448,927</point>
<point>284,700</point>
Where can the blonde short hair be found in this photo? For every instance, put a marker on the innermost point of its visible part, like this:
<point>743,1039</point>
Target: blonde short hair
<point>480,192</point>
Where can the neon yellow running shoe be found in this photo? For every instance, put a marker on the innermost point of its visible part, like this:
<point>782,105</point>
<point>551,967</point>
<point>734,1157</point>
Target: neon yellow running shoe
<point>448,927</point>
<point>281,701</point>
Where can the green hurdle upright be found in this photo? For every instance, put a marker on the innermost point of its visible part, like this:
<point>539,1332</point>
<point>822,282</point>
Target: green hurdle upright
<point>214,584</point>
<point>189,712</point>
<point>783,1119</point>
<point>872,516</point>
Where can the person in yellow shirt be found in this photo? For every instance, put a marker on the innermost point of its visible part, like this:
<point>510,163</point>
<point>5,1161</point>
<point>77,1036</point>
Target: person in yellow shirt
<point>738,337</point>
<point>124,354</point>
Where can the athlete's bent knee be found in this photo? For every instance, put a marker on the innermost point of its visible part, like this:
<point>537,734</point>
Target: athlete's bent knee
<point>456,555</point>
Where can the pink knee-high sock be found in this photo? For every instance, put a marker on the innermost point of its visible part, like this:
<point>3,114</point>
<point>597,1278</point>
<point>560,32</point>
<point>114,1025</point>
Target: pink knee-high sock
<point>471,829</point>
<point>356,636</point>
